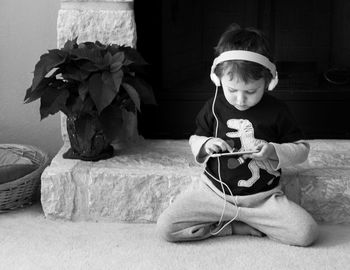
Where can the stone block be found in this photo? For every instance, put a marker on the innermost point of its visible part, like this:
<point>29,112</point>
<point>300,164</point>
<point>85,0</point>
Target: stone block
<point>107,26</point>
<point>325,193</point>
<point>321,184</point>
<point>139,182</point>
<point>136,185</point>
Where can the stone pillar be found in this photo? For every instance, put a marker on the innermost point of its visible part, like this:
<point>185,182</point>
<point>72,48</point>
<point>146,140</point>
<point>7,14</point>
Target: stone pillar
<point>108,21</point>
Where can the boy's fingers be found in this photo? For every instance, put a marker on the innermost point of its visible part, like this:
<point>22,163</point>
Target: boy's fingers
<point>258,155</point>
<point>227,147</point>
<point>260,147</point>
<point>219,146</point>
<point>245,156</point>
<point>215,148</point>
<point>209,151</point>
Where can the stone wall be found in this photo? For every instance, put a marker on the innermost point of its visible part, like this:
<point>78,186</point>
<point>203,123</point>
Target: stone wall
<point>139,182</point>
<point>108,21</point>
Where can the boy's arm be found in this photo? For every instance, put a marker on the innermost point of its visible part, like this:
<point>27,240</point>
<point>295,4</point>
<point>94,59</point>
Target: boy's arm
<point>204,123</point>
<point>196,143</point>
<point>290,154</point>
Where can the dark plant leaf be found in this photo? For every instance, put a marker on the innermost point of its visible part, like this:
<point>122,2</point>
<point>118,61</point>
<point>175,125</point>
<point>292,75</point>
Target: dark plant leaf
<point>32,95</point>
<point>108,83</point>
<point>83,89</point>
<point>87,44</point>
<point>74,72</point>
<point>117,61</point>
<point>108,89</point>
<point>117,79</point>
<point>129,105</point>
<point>108,79</point>
<point>102,90</point>
<point>29,98</point>
<point>124,101</point>
<point>94,87</point>
<point>113,48</point>
<point>133,56</point>
<point>88,107</point>
<point>86,65</point>
<point>94,55</point>
<point>53,101</point>
<point>144,89</point>
<point>133,95</point>
<point>77,106</point>
<point>99,44</point>
<point>103,63</point>
<point>70,45</point>
<point>108,58</point>
<point>53,73</point>
<point>47,62</point>
<point>62,53</point>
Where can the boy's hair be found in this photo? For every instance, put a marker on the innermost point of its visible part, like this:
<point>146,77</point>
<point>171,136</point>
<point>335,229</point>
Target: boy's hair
<point>248,39</point>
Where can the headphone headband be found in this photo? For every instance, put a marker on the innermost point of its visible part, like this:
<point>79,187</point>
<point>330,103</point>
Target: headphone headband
<point>246,56</point>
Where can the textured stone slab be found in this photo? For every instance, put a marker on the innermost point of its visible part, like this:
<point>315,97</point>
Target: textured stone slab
<point>139,182</point>
<point>97,5</point>
<point>107,26</point>
<point>321,184</point>
<point>325,193</point>
<point>327,154</point>
<point>135,185</point>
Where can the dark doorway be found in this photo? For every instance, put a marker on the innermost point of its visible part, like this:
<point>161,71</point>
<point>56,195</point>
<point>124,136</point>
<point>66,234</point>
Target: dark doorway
<point>309,38</point>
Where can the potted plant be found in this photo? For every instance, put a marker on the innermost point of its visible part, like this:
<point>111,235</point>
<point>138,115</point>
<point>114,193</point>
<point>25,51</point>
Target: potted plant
<point>91,83</point>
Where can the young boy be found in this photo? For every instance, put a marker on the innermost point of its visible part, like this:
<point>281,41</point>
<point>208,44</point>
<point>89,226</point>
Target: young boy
<point>241,193</point>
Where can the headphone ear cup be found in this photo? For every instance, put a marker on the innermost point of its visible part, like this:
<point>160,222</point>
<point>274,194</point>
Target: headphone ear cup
<point>273,82</point>
<point>215,79</point>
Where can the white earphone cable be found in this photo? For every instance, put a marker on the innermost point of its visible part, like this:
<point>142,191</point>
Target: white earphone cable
<point>219,175</point>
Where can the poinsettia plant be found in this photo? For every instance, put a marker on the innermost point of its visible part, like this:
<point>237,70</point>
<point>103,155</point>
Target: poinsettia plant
<point>91,79</point>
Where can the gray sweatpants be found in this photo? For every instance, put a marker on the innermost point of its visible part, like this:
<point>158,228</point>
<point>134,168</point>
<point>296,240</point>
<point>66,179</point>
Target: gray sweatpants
<point>194,215</point>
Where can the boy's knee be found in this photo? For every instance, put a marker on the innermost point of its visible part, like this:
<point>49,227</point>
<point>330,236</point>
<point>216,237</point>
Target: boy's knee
<point>307,235</point>
<point>165,229</point>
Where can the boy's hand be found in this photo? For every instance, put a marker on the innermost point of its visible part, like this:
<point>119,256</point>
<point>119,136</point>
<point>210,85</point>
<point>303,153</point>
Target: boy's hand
<point>215,145</point>
<point>266,151</point>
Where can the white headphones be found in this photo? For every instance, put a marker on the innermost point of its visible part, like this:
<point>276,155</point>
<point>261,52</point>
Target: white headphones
<point>247,56</point>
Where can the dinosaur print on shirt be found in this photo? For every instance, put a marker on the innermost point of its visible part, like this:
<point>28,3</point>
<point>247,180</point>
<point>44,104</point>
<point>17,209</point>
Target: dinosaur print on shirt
<point>245,132</point>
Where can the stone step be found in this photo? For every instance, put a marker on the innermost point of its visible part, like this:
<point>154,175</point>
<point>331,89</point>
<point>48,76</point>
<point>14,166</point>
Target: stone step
<point>139,182</point>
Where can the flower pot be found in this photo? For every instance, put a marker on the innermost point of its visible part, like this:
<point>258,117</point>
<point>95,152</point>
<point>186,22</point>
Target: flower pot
<point>87,139</point>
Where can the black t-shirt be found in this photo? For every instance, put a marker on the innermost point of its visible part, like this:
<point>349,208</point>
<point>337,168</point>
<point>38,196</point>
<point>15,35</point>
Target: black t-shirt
<point>270,120</point>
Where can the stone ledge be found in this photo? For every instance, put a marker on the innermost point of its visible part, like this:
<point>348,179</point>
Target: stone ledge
<point>139,182</point>
<point>97,5</point>
<point>135,185</point>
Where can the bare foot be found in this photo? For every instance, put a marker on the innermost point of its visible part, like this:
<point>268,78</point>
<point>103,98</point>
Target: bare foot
<point>243,228</point>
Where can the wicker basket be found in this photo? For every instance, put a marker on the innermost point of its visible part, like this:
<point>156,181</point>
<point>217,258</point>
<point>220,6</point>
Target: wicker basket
<point>21,192</point>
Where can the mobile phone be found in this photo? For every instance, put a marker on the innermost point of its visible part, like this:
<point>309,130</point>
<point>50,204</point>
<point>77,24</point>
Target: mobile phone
<point>233,153</point>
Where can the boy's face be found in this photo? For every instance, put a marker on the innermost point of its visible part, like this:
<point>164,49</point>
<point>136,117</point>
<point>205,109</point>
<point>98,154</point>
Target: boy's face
<point>242,95</point>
